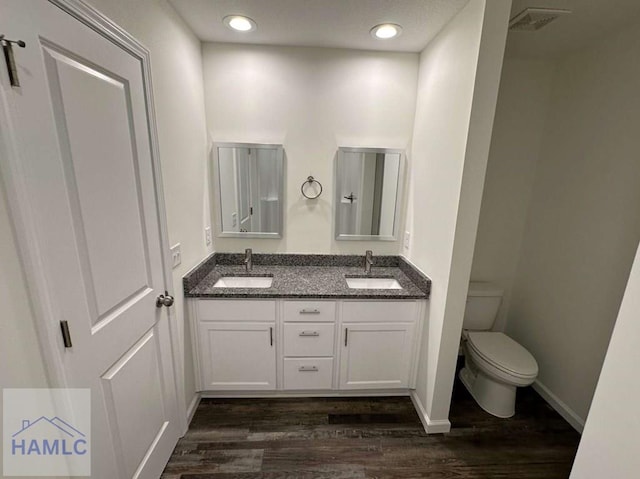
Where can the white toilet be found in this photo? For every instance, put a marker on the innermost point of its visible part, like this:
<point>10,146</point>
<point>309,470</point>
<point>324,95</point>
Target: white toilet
<point>494,363</point>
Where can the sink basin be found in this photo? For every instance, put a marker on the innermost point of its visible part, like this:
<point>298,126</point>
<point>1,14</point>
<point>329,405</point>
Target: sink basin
<point>373,283</point>
<point>244,282</point>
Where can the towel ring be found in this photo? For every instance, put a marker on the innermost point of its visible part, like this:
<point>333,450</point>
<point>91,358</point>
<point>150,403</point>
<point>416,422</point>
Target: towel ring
<point>310,180</point>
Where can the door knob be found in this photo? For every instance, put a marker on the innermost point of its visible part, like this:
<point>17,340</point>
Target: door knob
<point>164,300</point>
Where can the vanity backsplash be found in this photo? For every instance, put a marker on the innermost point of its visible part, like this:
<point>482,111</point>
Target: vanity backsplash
<point>306,276</point>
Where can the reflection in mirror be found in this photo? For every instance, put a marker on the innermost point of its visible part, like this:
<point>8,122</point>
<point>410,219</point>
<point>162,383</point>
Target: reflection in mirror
<point>248,179</point>
<point>367,193</point>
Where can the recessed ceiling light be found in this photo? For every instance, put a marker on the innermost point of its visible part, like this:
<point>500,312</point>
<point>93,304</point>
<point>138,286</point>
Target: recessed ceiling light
<point>385,31</point>
<point>239,23</point>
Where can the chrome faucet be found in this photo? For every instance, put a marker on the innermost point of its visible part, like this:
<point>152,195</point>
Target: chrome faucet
<point>248,259</point>
<point>368,261</point>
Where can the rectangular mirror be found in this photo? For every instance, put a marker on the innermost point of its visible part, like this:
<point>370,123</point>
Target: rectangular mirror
<point>368,183</point>
<point>248,179</point>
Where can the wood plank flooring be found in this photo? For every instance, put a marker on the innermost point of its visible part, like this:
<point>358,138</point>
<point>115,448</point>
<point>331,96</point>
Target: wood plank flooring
<point>344,438</point>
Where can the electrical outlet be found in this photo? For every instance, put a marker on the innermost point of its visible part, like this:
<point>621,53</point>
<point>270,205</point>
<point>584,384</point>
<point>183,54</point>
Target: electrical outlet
<point>176,255</point>
<point>207,235</point>
<point>407,239</point>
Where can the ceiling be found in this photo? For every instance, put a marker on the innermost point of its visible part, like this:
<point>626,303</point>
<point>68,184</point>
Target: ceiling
<point>322,23</point>
<point>346,23</point>
<point>589,21</point>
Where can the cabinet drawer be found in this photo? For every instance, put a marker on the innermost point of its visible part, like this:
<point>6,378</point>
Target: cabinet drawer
<point>313,311</point>
<point>233,310</point>
<point>308,339</point>
<point>308,373</point>
<point>379,311</point>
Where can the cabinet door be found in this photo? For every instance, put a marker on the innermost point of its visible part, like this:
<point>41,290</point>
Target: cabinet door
<point>376,355</point>
<point>237,356</point>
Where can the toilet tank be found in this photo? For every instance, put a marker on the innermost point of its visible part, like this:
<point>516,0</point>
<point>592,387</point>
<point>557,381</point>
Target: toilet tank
<point>483,301</point>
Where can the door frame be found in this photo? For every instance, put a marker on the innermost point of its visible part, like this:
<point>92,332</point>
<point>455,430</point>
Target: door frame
<point>22,218</point>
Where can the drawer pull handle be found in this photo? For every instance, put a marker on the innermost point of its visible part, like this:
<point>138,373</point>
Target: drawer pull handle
<point>309,333</point>
<point>309,311</point>
<point>346,336</point>
<point>271,336</point>
<point>308,369</point>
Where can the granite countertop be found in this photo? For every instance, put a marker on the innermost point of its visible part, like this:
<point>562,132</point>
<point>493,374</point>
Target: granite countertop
<point>304,278</point>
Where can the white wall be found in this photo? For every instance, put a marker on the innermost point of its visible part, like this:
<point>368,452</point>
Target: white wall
<point>457,90</point>
<point>521,113</point>
<point>609,444</point>
<point>312,100</point>
<point>22,365</point>
<point>583,226</point>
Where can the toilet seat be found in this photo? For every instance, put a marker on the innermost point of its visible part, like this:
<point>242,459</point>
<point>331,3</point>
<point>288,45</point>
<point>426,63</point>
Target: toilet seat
<point>503,353</point>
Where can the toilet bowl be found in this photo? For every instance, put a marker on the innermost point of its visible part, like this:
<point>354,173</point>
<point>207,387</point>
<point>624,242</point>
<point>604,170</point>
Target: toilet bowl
<point>495,364</point>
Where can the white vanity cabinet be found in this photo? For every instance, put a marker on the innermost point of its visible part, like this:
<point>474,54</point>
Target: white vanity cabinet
<point>292,346</point>
<point>236,341</point>
<point>309,345</point>
<point>378,344</point>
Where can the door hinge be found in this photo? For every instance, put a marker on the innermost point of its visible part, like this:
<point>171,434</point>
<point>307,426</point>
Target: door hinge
<point>66,335</point>
<point>7,48</point>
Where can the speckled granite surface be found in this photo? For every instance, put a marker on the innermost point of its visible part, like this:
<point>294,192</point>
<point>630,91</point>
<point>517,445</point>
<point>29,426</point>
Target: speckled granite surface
<point>305,259</point>
<point>305,276</point>
<point>197,274</point>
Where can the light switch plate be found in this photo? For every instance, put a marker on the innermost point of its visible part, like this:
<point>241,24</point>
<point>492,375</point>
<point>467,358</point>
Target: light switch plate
<point>207,235</point>
<point>176,255</point>
<point>407,239</point>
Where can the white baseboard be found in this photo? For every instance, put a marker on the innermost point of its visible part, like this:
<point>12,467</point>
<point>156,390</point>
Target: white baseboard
<point>191,410</point>
<point>431,426</point>
<point>556,403</point>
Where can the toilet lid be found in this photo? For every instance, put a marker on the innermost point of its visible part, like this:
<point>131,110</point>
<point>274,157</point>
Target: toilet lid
<point>504,353</point>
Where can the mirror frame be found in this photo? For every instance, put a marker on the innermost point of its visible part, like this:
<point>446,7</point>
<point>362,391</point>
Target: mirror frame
<point>217,194</point>
<point>399,195</point>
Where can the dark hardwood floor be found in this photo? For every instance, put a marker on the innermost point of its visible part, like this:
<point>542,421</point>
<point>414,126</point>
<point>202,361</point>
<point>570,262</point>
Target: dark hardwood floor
<point>340,438</point>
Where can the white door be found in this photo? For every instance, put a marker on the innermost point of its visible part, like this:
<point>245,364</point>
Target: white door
<point>243,167</point>
<point>237,356</point>
<point>376,355</point>
<point>82,139</point>
<point>351,177</point>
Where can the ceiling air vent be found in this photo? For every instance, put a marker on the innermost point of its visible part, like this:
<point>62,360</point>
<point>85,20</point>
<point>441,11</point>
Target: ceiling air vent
<point>531,19</point>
